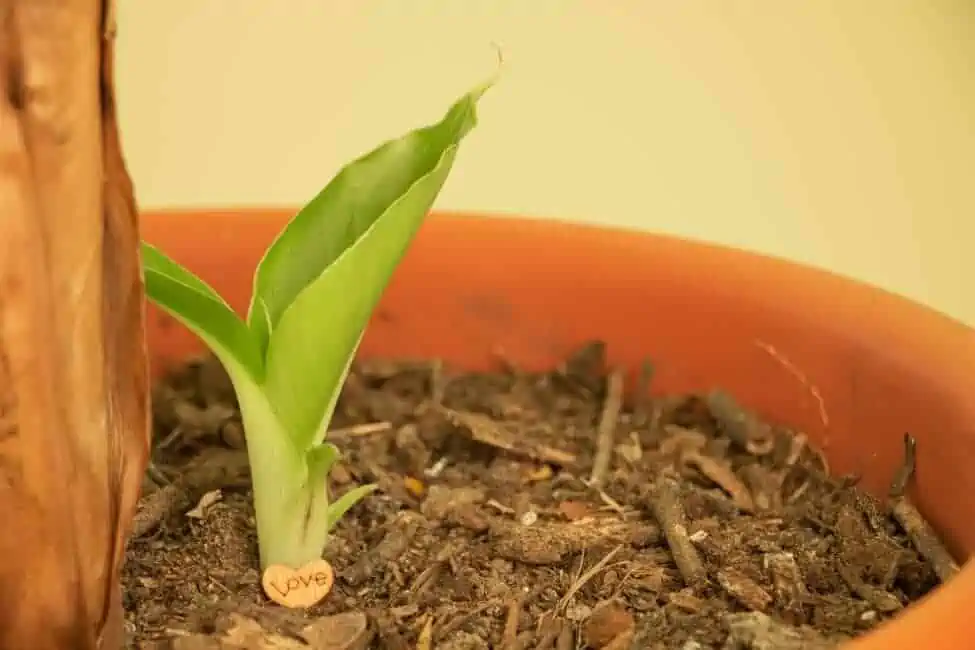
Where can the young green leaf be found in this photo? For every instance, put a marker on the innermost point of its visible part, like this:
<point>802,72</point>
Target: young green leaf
<point>319,462</point>
<point>346,501</point>
<point>348,206</point>
<point>316,298</point>
<point>202,310</point>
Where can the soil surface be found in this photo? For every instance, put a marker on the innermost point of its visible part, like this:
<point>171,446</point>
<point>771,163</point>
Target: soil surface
<point>521,511</point>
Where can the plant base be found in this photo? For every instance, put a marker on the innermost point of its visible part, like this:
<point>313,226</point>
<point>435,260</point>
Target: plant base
<point>487,531</point>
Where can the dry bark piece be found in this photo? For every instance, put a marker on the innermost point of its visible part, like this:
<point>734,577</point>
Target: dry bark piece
<point>720,473</point>
<point>441,500</point>
<point>743,589</point>
<point>543,544</point>
<point>486,431</point>
<point>788,586</point>
<point>73,369</point>
<point>236,632</point>
<point>298,588</point>
<point>548,542</point>
<point>208,500</point>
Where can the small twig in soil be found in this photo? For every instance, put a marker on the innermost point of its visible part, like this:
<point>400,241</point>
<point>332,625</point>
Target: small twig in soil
<point>358,430</point>
<point>606,432</point>
<point>509,638</point>
<point>641,400</point>
<point>669,512</point>
<point>584,578</point>
<point>722,475</point>
<point>902,477</point>
<point>482,429</point>
<point>757,631</point>
<point>740,425</point>
<point>500,507</point>
<point>914,524</point>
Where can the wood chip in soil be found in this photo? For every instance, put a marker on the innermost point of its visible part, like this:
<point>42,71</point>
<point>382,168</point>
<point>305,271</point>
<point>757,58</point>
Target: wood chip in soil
<point>521,511</point>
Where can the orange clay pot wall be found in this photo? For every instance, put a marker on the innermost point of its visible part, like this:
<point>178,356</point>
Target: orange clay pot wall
<point>853,367</point>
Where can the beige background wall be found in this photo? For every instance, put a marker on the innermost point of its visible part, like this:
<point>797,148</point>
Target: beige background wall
<point>837,132</point>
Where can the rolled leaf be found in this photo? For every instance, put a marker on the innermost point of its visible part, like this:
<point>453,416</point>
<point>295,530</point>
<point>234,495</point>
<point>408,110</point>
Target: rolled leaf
<point>321,280</point>
<point>348,206</point>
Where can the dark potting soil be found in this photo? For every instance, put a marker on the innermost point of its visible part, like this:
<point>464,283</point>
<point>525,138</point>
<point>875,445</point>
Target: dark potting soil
<point>520,511</point>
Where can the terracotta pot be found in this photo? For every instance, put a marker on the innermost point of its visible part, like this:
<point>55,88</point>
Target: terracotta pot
<point>852,366</point>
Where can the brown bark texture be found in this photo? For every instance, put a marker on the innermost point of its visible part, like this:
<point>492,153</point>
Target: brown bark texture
<point>73,372</point>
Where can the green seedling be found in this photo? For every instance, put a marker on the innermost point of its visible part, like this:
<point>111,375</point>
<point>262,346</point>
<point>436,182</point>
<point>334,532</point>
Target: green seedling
<point>314,292</point>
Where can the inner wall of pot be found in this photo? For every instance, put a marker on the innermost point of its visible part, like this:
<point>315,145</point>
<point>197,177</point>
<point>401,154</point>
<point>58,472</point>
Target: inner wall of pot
<point>851,366</point>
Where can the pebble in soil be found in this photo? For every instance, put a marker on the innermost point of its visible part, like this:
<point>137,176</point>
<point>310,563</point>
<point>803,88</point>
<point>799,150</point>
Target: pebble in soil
<point>488,531</point>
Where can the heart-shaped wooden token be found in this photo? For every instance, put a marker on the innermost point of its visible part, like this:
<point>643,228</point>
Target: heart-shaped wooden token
<point>298,587</point>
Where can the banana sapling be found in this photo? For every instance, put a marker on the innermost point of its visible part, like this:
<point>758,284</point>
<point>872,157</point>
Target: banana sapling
<point>314,292</point>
